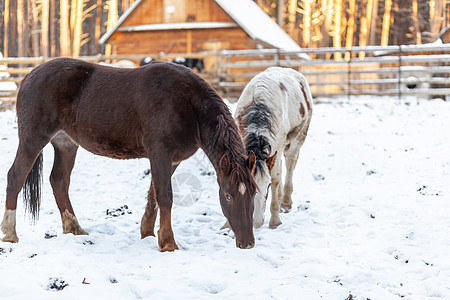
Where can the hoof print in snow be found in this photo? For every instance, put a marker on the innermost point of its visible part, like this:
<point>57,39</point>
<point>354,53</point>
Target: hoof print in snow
<point>113,280</point>
<point>116,212</point>
<point>5,250</point>
<point>371,172</point>
<point>427,191</point>
<point>318,177</point>
<point>50,234</point>
<point>57,284</point>
<point>303,207</point>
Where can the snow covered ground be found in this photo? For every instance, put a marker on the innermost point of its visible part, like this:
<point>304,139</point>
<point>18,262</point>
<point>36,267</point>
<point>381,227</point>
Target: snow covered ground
<point>370,220</point>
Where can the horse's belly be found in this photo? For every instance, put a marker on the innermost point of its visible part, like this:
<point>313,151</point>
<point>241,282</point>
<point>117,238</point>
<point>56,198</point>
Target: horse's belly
<point>119,153</point>
<point>114,148</point>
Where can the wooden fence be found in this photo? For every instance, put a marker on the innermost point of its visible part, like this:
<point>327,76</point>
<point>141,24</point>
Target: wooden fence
<point>419,70</point>
<point>15,68</point>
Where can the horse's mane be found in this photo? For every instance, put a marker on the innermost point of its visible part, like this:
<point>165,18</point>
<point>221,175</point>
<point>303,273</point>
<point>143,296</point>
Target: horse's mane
<point>260,146</point>
<point>227,137</point>
<point>257,123</point>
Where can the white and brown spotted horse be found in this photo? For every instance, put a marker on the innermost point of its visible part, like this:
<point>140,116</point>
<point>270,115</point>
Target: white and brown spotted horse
<point>273,116</point>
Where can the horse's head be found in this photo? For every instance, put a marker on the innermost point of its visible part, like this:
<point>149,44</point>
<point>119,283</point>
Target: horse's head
<point>236,191</point>
<point>263,180</point>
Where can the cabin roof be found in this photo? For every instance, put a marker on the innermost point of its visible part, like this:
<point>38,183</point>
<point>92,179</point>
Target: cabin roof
<point>257,24</point>
<point>246,13</point>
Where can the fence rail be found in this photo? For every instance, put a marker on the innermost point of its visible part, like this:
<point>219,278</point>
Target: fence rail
<point>394,70</point>
<point>374,70</point>
<point>17,67</point>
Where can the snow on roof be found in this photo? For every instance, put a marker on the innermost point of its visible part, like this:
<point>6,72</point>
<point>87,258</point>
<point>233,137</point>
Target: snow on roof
<point>258,24</point>
<point>247,14</point>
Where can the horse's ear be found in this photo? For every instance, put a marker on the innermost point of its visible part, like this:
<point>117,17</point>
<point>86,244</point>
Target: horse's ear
<point>251,161</point>
<point>225,165</point>
<point>271,161</point>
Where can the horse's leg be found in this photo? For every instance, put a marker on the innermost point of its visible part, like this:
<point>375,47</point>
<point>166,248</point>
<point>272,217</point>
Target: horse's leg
<point>291,154</point>
<point>26,155</point>
<point>161,167</point>
<point>65,153</point>
<point>149,217</point>
<point>275,186</point>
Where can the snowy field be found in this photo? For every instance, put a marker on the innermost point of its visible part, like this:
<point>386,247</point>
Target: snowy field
<point>370,220</point>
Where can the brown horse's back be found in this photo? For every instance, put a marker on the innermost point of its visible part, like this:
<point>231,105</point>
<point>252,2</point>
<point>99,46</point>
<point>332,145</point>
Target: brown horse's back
<point>111,111</point>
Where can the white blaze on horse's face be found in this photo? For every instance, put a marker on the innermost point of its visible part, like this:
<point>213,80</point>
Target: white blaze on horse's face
<point>262,179</point>
<point>242,188</point>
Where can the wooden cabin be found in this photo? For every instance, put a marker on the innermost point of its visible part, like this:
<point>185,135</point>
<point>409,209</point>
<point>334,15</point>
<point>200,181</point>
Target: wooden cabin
<point>190,26</point>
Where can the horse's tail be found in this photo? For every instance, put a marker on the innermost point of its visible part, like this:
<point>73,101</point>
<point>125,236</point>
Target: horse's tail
<point>32,188</point>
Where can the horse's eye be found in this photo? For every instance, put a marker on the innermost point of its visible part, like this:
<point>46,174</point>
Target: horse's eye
<point>228,197</point>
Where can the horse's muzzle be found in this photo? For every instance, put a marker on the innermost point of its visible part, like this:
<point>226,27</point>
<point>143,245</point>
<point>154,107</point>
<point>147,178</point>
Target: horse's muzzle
<point>247,245</point>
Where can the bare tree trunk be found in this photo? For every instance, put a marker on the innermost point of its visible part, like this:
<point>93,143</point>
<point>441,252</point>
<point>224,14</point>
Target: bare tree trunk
<point>292,17</point>
<point>112,19</point>
<point>35,27</point>
<point>337,28</point>
<point>6,35</point>
<point>280,18</point>
<point>327,8</point>
<point>350,27</point>
<point>2,26</point>
<point>20,28</point>
<point>373,24</point>
<point>44,28</point>
<point>64,35</point>
<point>78,29</point>
<point>365,21</point>
<point>416,23</point>
<point>436,17</point>
<point>91,30</point>
<point>53,28</point>
<point>307,8</point>
<point>12,49</point>
<point>73,11</point>
<point>386,23</point>
<point>98,28</point>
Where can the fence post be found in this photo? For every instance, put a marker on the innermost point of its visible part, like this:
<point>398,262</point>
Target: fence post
<point>219,58</point>
<point>277,58</point>
<point>349,73</point>
<point>399,84</point>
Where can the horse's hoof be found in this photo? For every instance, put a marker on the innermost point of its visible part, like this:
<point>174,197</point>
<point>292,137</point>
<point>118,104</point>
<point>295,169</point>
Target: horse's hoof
<point>70,224</point>
<point>10,238</point>
<point>146,234</point>
<point>285,208</point>
<point>274,224</point>
<point>169,247</point>
<point>81,231</point>
<point>75,231</point>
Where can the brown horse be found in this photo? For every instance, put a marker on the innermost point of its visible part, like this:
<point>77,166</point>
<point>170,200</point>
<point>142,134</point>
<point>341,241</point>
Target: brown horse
<point>163,112</point>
